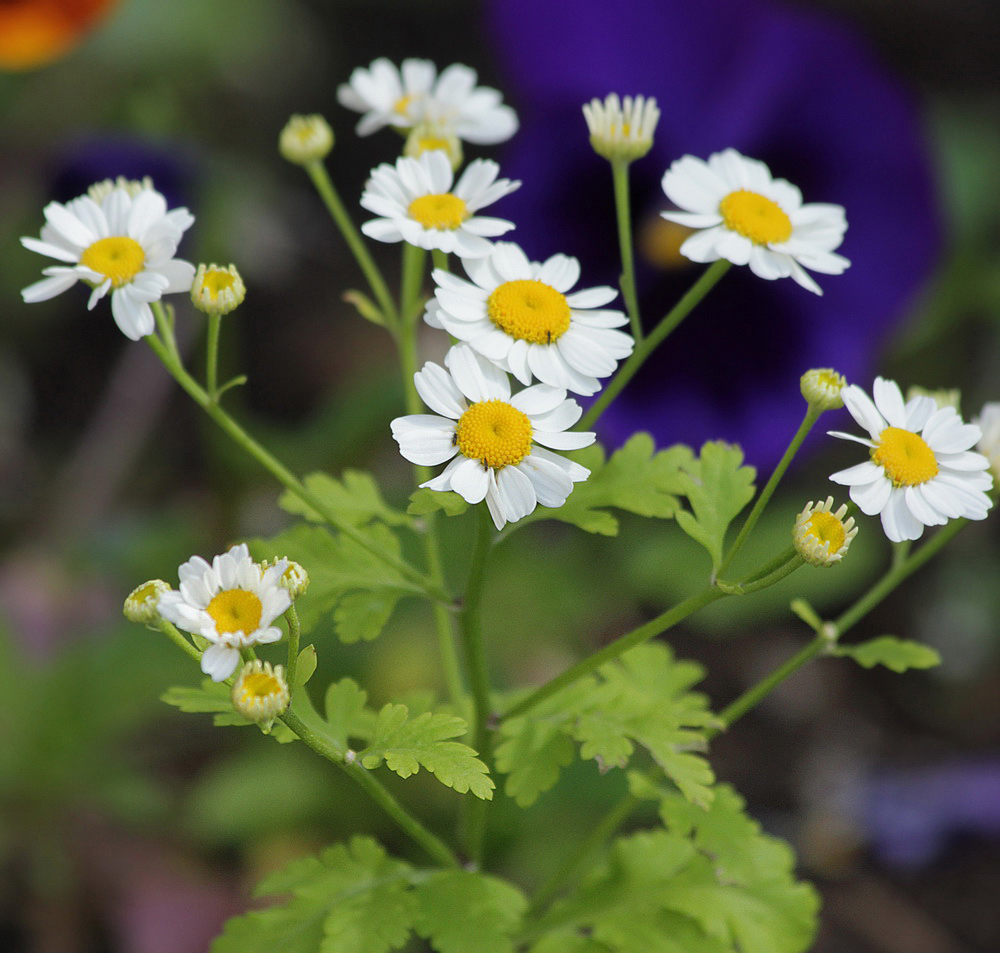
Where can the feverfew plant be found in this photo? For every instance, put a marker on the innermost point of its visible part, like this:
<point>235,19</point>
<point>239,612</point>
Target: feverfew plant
<point>517,449</point>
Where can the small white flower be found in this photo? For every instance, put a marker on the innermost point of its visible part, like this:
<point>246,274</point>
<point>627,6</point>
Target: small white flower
<point>921,471</point>
<point>988,422</point>
<point>125,244</point>
<point>414,93</point>
<point>260,692</point>
<point>749,218</point>
<point>231,603</point>
<point>520,315</point>
<point>418,204</point>
<point>498,442</point>
<point>621,130</point>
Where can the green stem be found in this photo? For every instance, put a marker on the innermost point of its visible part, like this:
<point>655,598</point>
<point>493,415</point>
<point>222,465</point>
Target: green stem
<point>328,193</point>
<point>604,829</point>
<point>169,630</point>
<point>431,843</point>
<point>440,259</point>
<point>644,348</point>
<point>830,632</point>
<point>896,575</point>
<point>623,213</point>
<point>212,357</point>
<point>294,633</point>
<point>762,580</point>
<point>614,649</point>
<point>472,640</point>
<point>820,645</point>
<point>411,285</point>
<point>812,415</point>
<point>283,474</point>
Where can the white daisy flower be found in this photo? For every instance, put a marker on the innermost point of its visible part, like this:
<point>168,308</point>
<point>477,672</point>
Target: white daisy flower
<point>418,204</point>
<point>414,93</point>
<point>821,536</point>
<point>520,315</point>
<point>501,445</point>
<point>231,603</point>
<point>124,243</point>
<point>988,422</point>
<point>749,218</point>
<point>921,471</point>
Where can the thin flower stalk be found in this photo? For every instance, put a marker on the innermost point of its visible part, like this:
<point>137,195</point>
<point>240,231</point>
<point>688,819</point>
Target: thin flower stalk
<point>623,213</point>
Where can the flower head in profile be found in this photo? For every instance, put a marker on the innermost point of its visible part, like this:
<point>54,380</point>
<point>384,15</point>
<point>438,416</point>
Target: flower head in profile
<point>500,447</point>
<point>414,93</point>
<point>742,214</point>
<point>921,470</point>
<point>988,422</point>
<point>229,602</point>
<point>417,204</point>
<point>523,317</point>
<point>821,536</point>
<point>122,244</point>
<point>622,130</point>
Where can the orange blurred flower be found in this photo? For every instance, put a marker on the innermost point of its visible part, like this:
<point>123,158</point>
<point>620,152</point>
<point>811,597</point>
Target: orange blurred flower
<point>34,33</point>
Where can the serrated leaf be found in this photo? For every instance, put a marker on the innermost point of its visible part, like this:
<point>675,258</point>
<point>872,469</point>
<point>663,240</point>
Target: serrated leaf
<point>408,744</point>
<point>896,654</point>
<point>349,899</point>
<point>636,479</point>
<point>424,501</point>
<point>468,912</point>
<point>208,697</point>
<point>717,487</point>
<point>338,566</point>
<point>355,498</point>
<point>346,714</point>
<point>361,616</point>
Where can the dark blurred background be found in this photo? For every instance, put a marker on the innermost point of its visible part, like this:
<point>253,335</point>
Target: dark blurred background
<point>127,827</point>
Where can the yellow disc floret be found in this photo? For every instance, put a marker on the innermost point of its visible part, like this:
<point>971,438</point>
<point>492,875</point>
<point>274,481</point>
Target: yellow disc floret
<point>529,310</point>
<point>494,432</point>
<point>119,258</point>
<point>443,211</point>
<point>821,536</point>
<point>235,610</point>
<point>755,217</point>
<point>826,528</point>
<point>905,457</point>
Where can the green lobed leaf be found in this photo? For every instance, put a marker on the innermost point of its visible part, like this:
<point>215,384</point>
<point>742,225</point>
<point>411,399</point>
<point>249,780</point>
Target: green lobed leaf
<point>894,653</point>
<point>407,744</point>
<point>343,576</point>
<point>426,501</point>
<point>305,666</point>
<point>348,899</point>
<point>642,698</point>
<point>355,498</point>
<point>346,714</point>
<point>636,478</point>
<point>468,912</point>
<point>717,486</point>
<point>208,697</point>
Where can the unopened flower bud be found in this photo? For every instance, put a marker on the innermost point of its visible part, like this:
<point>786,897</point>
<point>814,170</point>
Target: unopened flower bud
<point>427,137</point>
<point>988,422</point>
<point>217,290</point>
<point>260,692</point>
<point>305,139</point>
<point>943,397</point>
<point>822,537</point>
<point>141,604</point>
<point>295,578</point>
<point>821,388</point>
<point>621,129</point>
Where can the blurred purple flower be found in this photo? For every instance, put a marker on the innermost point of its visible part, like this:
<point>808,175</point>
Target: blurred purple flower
<point>792,88</point>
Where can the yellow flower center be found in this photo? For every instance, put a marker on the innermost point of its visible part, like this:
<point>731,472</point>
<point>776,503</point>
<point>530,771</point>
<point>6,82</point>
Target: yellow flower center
<point>445,211</point>
<point>432,143</point>
<point>905,457</point>
<point>495,432</point>
<point>146,592</point>
<point>216,281</point>
<point>529,311</point>
<point>660,241</point>
<point>826,528</point>
<point>235,610</point>
<point>118,258</point>
<point>259,685</point>
<point>403,104</point>
<point>755,217</point>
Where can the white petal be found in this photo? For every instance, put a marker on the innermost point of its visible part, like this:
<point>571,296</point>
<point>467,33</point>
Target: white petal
<point>470,480</point>
<point>219,662</point>
<point>438,391</point>
<point>476,377</point>
<point>516,493</point>
<point>871,497</point>
<point>889,401</point>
